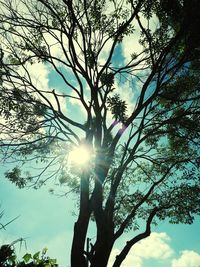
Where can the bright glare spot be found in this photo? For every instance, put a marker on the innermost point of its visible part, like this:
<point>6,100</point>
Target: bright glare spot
<point>79,155</point>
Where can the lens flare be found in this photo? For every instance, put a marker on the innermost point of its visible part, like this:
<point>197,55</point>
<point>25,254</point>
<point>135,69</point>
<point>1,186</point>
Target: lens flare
<point>79,155</point>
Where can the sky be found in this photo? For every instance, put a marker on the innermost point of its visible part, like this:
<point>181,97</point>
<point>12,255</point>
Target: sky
<point>45,220</point>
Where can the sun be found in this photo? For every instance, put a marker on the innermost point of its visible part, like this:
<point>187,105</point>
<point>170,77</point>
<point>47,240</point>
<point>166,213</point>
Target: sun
<point>79,155</point>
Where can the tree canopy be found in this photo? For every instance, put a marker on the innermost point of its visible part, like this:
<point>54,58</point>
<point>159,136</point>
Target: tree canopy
<point>121,79</point>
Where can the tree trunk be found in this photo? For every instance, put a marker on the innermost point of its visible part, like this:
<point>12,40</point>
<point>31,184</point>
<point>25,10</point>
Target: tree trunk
<point>103,249</point>
<point>78,258</point>
<point>103,245</point>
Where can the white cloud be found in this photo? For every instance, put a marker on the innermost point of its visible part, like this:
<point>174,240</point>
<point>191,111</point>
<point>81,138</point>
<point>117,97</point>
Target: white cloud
<point>131,43</point>
<point>188,258</point>
<point>39,73</point>
<point>129,261</point>
<point>132,260</point>
<point>126,93</point>
<point>54,41</point>
<point>105,52</point>
<point>154,247</point>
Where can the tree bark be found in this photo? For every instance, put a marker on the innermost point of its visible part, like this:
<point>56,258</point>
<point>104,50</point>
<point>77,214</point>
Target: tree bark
<point>78,258</point>
<point>103,248</point>
<point>77,252</point>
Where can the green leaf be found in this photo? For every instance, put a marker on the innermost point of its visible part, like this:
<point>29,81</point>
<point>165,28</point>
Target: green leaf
<point>27,257</point>
<point>36,255</point>
<point>53,261</point>
<point>12,258</point>
<point>44,251</point>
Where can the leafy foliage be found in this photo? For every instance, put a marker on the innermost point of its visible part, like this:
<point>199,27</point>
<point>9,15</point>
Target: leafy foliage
<point>118,108</point>
<point>15,177</point>
<point>8,258</point>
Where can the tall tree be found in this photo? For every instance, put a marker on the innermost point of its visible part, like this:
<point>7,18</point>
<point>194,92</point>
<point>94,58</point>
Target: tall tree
<point>143,165</point>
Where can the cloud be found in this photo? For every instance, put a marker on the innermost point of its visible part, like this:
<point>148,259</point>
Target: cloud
<point>39,74</point>
<point>154,247</point>
<point>125,90</point>
<point>54,45</point>
<point>188,258</point>
<point>131,45</point>
<point>131,42</point>
<point>129,261</point>
<point>105,52</point>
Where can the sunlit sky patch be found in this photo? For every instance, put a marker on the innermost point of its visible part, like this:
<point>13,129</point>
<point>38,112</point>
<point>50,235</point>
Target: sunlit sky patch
<point>80,155</point>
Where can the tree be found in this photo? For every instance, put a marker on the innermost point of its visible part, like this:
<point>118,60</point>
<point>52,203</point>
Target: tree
<point>144,160</point>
